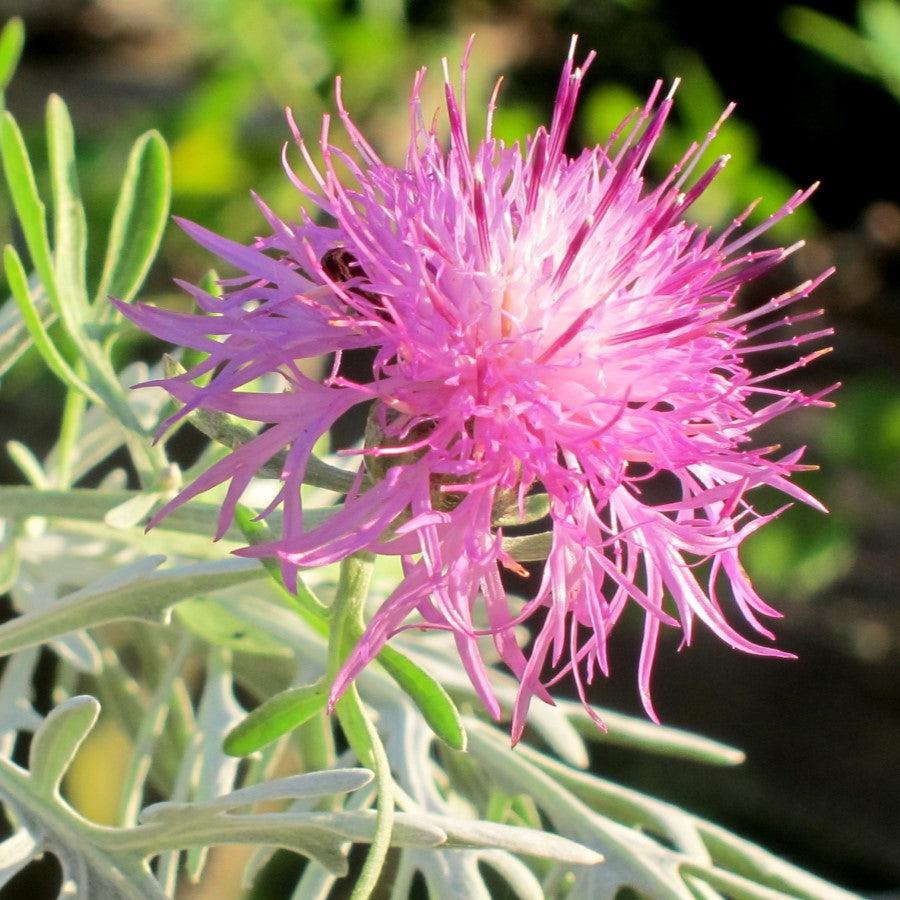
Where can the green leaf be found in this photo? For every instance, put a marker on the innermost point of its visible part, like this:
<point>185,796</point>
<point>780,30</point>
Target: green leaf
<point>9,559</point>
<point>133,511</point>
<point>15,339</point>
<point>105,389</point>
<point>210,283</point>
<point>75,503</point>
<point>16,711</point>
<point>735,887</point>
<point>881,20</point>
<point>58,739</point>
<point>529,547</point>
<point>90,505</point>
<point>319,835</point>
<point>12,40</point>
<point>18,284</point>
<point>69,226</point>
<point>829,36</point>
<point>27,463</point>
<point>345,628</point>
<point>308,786</point>
<point>731,852</point>
<point>27,203</point>
<point>276,717</point>
<point>139,219</point>
<point>641,734</point>
<point>433,701</point>
<point>526,841</point>
<point>304,601</point>
<point>215,625</point>
<point>133,592</point>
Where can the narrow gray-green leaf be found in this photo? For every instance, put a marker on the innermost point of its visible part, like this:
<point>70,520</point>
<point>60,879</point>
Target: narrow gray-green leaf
<point>139,219</point>
<point>735,853</point>
<point>433,701</point>
<point>309,785</point>
<point>27,463</point>
<point>318,835</point>
<point>27,202</point>
<point>15,339</point>
<point>69,225</point>
<point>640,734</point>
<point>736,887</point>
<point>75,503</point>
<point>57,740</point>
<point>515,873</point>
<point>9,560</point>
<point>462,833</point>
<point>276,717</point>
<point>133,511</point>
<point>196,517</point>
<point>18,283</point>
<point>145,596</point>
<point>16,689</point>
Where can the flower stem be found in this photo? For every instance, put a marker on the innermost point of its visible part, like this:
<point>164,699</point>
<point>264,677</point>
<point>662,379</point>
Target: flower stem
<point>346,628</point>
<point>316,743</point>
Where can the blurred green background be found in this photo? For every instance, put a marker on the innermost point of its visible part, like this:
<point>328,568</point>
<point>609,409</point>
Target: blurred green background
<point>817,89</point>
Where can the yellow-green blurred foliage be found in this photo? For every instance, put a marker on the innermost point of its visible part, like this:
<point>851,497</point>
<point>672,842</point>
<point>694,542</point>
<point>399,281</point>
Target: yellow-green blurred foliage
<point>93,784</point>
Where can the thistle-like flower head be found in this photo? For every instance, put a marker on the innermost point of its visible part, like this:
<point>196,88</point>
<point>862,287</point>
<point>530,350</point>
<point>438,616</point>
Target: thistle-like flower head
<point>542,324</point>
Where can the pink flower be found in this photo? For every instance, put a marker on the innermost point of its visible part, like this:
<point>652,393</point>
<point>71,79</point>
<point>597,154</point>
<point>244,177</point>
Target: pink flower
<point>542,323</point>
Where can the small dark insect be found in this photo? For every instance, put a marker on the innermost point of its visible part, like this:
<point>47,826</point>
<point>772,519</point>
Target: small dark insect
<point>340,265</point>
